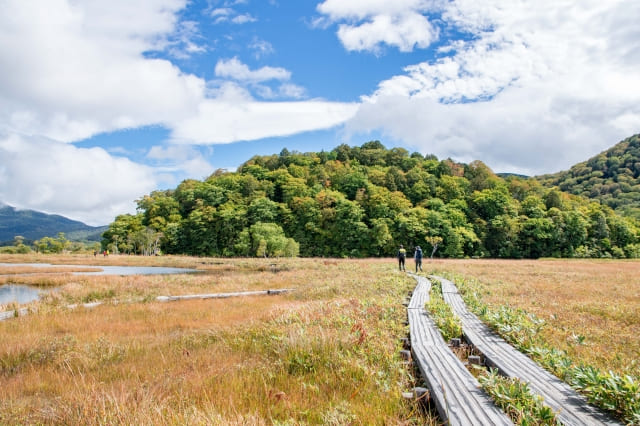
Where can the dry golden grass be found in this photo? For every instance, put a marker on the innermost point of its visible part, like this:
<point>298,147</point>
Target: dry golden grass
<point>591,307</point>
<point>13,270</point>
<point>326,353</point>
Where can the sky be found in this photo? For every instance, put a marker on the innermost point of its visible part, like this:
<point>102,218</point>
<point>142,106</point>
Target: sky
<point>104,101</point>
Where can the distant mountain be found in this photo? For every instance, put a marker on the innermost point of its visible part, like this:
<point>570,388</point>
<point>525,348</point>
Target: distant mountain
<point>612,177</point>
<point>33,225</point>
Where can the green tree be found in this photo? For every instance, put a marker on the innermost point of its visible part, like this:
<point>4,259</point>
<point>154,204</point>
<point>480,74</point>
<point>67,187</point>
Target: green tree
<point>435,242</point>
<point>265,240</point>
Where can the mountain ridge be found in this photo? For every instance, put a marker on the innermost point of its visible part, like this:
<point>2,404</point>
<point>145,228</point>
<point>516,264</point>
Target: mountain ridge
<point>612,177</point>
<point>33,225</point>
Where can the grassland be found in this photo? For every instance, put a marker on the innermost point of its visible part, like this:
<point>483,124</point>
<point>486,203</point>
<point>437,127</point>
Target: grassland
<point>324,353</point>
<point>591,308</point>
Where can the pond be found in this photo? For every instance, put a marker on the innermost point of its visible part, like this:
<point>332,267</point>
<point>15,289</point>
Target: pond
<point>18,293</point>
<point>111,270</point>
<point>25,294</point>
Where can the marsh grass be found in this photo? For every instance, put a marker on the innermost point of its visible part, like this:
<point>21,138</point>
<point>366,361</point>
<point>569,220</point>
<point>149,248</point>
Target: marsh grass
<point>326,353</point>
<point>616,391</point>
<point>591,308</point>
<point>449,324</point>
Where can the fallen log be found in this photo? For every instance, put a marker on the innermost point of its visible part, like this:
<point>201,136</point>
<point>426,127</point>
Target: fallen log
<point>222,295</point>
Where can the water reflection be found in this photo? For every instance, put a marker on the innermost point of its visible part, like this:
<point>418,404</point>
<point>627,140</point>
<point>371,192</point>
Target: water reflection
<point>111,270</point>
<point>18,293</point>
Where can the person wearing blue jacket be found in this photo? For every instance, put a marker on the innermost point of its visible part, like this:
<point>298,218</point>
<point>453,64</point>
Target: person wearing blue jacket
<point>417,256</point>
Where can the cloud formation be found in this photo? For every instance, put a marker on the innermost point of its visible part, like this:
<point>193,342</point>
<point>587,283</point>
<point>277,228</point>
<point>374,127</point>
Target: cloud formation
<point>236,70</point>
<point>85,184</point>
<point>75,69</point>
<point>233,119</point>
<point>72,70</point>
<point>528,87</point>
<point>365,25</point>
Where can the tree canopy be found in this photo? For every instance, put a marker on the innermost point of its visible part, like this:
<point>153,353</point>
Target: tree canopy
<point>365,201</point>
<point>611,177</point>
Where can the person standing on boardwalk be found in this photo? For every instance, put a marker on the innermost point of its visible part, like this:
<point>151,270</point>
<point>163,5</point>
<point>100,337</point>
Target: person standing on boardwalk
<point>402,255</point>
<point>417,256</point>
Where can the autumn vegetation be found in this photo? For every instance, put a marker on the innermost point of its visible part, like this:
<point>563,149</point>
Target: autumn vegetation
<point>365,201</point>
<point>577,318</point>
<point>326,353</point>
<point>611,177</point>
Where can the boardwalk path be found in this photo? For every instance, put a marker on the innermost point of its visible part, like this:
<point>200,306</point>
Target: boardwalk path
<point>456,393</point>
<point>571,407</point>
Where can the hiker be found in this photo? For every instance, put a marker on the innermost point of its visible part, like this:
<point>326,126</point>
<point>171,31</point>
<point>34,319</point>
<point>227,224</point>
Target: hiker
<point>417,256</point>
<point>402,255</point>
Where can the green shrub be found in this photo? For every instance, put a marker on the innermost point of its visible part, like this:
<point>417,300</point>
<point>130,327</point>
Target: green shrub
<point>514,397</point>
<point>441,313</point>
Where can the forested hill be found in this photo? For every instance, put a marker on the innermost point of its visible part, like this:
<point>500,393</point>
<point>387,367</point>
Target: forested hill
<point>365,201</point>
<point>33,225</point>
<point>612,177</point>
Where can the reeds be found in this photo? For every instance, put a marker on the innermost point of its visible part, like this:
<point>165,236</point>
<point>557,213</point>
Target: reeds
<point>591,308</point>
<point>326,353</point>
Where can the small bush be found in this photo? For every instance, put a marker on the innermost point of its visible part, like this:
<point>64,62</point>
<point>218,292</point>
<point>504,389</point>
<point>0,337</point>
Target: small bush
<point>441,313</point>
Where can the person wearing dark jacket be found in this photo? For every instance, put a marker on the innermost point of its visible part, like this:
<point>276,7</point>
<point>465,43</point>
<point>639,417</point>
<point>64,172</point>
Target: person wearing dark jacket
<point>417,256</point>
<point>402,255</point>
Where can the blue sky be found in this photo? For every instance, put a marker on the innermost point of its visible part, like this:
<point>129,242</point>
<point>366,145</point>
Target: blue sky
<point>103,101</point>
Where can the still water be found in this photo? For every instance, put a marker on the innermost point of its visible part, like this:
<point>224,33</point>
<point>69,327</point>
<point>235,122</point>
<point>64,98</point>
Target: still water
<point>25,294</point>
<point>111,270</point>
<point>18,293</point>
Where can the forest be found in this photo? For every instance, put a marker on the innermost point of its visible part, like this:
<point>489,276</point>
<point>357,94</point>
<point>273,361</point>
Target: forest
<point>365,201</point>
<point>612,177</point>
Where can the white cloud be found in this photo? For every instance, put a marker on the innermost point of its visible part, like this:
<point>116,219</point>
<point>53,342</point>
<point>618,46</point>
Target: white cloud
<point>185,160</point>
<point>83,184</point>
<point>243,19</point>
<point>73,69</point>
<point>221,121</point>
<point>292,91</point>
<point>371,23</point>
<point>183,44</point>
<point>261,47</point>
<point>404,31</point>
<point>221,11</point>
<point>256,80</point>
<point>234,69</point>
<point>228,14</point>
<point>535,86</point>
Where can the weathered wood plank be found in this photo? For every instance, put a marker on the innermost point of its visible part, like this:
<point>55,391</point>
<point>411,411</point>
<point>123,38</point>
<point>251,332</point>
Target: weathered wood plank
<point>456,393</point>
<point>222,295</point>
<point>420,295</point>
<point>571,407</point>
<point>5,315</point>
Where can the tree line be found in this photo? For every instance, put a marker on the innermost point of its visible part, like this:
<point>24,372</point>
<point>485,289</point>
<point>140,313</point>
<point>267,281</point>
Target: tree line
<point>364,201</point>
<point>612,177</point>
<point>46,245</point>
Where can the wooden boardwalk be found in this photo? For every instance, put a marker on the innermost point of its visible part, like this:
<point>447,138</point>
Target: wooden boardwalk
<point>571,407</point>
<point>456,393</point>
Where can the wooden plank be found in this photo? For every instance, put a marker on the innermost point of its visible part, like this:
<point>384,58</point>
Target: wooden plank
<point>5,315</point>
<point>456,393</point>
<point>222,295</point>
<point>420,295</point>
<point>571,407</point>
